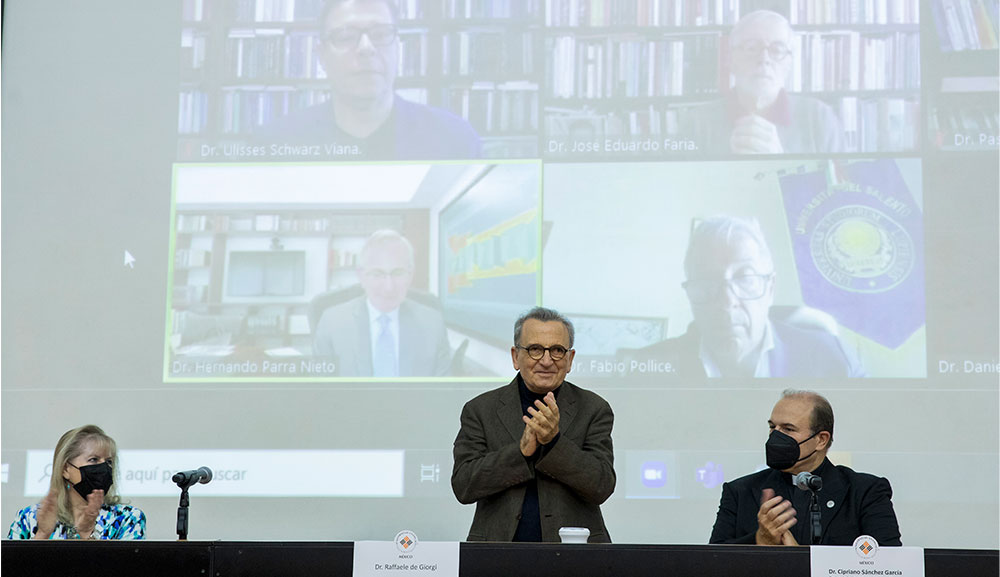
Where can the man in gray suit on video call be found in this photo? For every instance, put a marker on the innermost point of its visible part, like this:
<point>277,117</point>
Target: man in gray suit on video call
<point>384,333</point>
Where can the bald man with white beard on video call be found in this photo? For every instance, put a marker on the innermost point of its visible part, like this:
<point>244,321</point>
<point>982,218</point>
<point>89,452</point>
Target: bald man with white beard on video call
<point>757,115</point>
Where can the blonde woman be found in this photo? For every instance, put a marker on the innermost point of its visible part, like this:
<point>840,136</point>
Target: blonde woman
<point>82,502</point>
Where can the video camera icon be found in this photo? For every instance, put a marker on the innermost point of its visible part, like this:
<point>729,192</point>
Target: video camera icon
<point>654,474</point>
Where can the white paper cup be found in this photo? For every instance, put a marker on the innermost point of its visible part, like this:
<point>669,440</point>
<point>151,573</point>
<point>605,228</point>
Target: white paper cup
<point>574,534</point>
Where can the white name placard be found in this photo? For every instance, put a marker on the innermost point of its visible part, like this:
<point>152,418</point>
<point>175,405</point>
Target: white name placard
<point>866,558</point>
<point>405,555</point>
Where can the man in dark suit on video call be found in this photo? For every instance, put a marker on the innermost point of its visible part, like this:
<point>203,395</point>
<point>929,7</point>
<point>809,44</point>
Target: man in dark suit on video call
<point>767,508</point>
<point>730,286</point>
<point>383,333</point>
<point>359,49</point>
<point>535,455</point>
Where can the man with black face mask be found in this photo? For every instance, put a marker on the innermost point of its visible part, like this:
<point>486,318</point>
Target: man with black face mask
<point>766,508</point>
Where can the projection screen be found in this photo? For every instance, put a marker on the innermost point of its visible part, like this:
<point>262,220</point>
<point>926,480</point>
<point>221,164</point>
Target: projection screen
<point>185,213</point>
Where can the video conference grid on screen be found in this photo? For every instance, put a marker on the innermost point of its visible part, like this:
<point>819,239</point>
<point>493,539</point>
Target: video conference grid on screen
<point>675,84</point>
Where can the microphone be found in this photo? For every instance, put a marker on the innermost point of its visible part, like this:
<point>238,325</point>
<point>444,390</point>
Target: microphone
<point>188,478</point>
<point>807,481</point>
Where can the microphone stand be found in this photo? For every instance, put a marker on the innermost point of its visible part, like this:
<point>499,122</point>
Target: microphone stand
<point>815,527</point>
<point>182,515</point>
<point>184,481</point>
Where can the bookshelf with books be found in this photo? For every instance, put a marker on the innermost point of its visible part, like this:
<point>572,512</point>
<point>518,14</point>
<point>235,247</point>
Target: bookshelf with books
<point>194,268</point>
<point>204,239</point>
<point>963,113</point>
<point>247,63</point>
<point>244,62</point>
<point>966,25</point>
<point>632,70</point>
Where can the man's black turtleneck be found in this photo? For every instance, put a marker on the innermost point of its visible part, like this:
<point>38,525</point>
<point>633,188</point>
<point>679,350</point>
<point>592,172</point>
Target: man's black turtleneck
<point>529,526</point>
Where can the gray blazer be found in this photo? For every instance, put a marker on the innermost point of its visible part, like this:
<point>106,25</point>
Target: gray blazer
<point>813,127</point>
<point>343,335</point>
<point>574,477</point>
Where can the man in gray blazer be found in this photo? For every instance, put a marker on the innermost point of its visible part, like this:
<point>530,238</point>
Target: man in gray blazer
<point>536,455</point>
<point>383,333</point>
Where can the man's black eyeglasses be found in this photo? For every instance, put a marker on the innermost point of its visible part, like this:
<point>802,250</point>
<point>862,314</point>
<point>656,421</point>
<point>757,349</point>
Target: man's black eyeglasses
<point>556,352</point>
<point>746,287</point>
<point>347,38</point>
<point>776,50</point>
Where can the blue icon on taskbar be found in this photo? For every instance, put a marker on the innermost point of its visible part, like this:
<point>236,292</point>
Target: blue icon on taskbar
<point>654,474</point>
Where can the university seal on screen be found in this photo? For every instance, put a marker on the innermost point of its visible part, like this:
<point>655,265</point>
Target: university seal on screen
<point>861,249</point>
<point>857,234</point>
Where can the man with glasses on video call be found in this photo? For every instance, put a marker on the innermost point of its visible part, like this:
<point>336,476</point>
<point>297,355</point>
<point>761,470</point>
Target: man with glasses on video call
<point>757,115</point>
<point>384,332</point>
<point>359,50</point>
<point>535,455</point>
<point>730,283</point>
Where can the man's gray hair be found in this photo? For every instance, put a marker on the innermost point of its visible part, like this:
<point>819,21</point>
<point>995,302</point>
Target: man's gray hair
<point>544,315</point>
<point>821,418</point>
<point>727,230</point>
<point>382,238</point>
<point>331,4</point>
<point>756,17</point>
